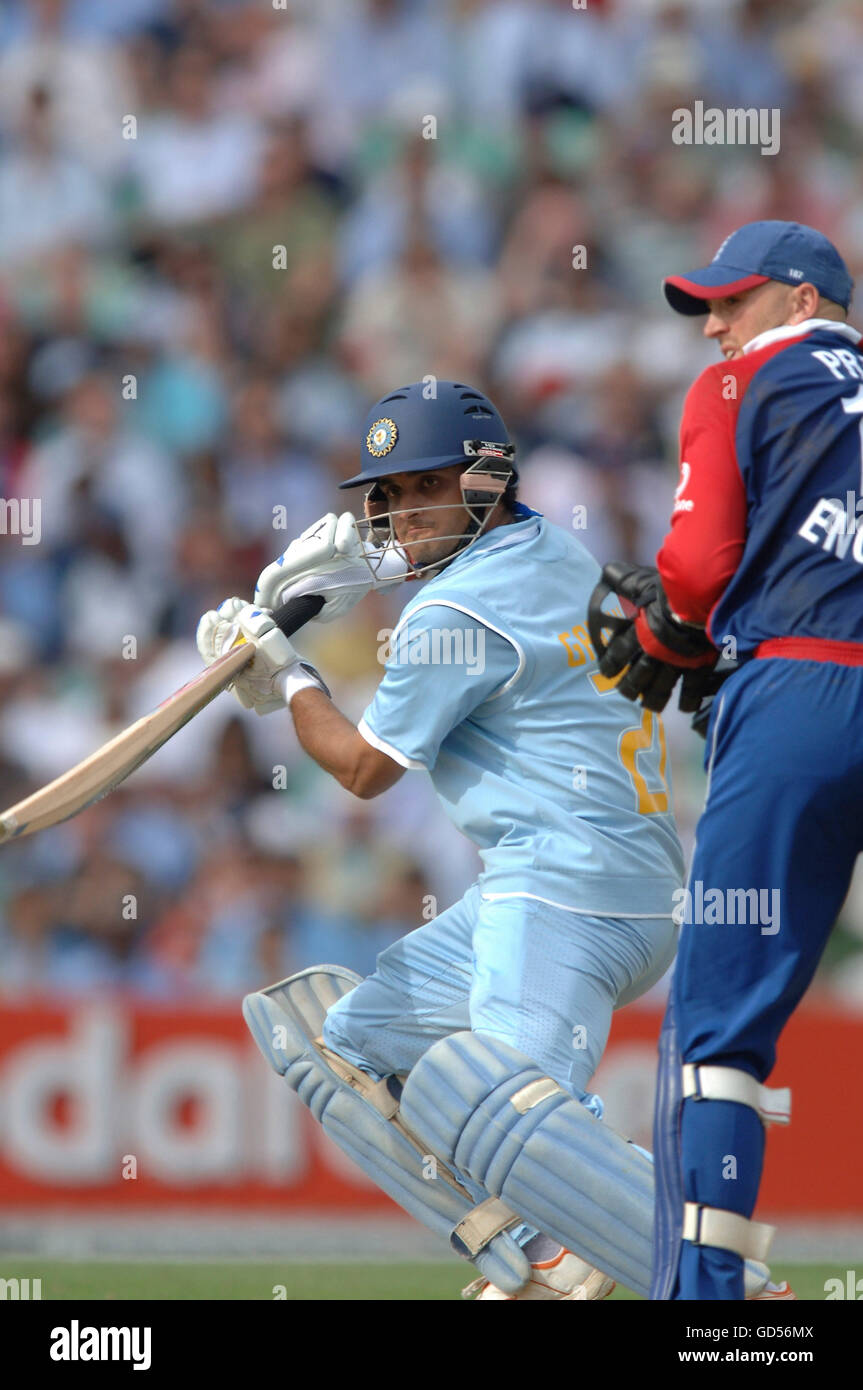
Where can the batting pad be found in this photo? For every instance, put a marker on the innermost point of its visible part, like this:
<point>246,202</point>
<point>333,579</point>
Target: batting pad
<point>488,1110</point>
<point>363,1117</point>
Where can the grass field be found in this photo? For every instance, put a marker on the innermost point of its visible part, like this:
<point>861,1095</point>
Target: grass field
<point>345,1281</point>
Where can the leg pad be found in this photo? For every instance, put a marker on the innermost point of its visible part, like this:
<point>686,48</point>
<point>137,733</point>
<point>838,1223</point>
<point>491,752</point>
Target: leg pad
<point>362,1116</point>
<point>489,1110</point>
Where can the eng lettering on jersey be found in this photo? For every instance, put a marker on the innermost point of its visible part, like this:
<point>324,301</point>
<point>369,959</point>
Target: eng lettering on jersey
<point>681,503</point>
<point>836,529</point>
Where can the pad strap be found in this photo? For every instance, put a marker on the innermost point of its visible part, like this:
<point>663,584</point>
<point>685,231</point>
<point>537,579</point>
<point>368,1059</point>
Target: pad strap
<point>729,1083</point>
<point>535,1092</point>
<point>377,1093</point>
<point>727,1230</point>
<point>482,1224</point>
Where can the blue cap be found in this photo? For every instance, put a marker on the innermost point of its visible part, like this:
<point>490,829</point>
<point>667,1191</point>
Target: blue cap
<point>429,425</point>
<point>759,252</point>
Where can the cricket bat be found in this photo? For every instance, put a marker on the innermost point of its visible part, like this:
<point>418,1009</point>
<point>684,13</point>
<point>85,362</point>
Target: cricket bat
<point>111,764</point>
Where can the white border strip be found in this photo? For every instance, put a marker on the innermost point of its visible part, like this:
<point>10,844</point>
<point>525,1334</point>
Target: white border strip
<point>580,911</point>
<point>402,759</point>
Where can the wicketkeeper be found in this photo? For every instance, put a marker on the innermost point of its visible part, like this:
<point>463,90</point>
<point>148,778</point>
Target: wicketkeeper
<point>764,562</point>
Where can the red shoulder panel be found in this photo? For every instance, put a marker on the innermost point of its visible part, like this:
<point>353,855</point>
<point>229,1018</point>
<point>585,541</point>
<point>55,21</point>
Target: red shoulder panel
<point>708,523</point>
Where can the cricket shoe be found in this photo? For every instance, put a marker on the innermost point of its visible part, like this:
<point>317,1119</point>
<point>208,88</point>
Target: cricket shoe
<point>773,1291</point>
<point>758,1288</point>
<point>564,1277</point>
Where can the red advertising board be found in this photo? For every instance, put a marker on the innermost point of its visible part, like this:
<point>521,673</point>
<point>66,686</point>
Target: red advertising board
<point>129,1107</point>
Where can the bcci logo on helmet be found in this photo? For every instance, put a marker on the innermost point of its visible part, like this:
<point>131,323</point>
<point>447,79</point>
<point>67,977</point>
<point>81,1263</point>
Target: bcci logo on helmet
<point>382,437</point>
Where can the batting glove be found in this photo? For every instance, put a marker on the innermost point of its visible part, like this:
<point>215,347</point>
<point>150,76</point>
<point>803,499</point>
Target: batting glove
<point>277,671</point>
<point>329,559</point>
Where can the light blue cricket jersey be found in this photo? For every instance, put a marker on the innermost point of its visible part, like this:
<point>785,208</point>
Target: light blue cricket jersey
<point>492,687</point>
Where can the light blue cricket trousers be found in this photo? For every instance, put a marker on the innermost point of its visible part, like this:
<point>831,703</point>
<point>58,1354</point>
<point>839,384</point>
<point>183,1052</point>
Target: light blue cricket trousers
<point>539,977</point>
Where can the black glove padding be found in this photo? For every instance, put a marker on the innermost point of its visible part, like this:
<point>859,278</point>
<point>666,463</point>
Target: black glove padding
<point>637,585</point>
<point>696,686</point>
<point>681,638</point>
<point>648,678</point>
<point>699,688</point>
<point>642,586</point>
<point>701,717</point>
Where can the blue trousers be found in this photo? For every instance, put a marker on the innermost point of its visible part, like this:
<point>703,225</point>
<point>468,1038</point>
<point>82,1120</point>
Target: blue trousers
<point>775,847</point>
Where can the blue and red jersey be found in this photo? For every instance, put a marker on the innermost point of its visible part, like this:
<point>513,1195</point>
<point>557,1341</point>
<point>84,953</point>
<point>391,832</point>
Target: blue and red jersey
<point>766,539</point>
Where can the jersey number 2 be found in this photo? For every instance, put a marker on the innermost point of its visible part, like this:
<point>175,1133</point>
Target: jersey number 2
<point>632,741</point>
<point>635,741</point>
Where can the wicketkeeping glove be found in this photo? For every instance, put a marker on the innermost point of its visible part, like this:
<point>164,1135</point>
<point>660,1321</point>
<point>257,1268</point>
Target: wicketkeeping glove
<point>699,689</point>
<point>652,643</point>
<point>277,671</point>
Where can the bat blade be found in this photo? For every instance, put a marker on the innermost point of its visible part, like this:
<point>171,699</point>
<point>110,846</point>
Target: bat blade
<point>111,764</point>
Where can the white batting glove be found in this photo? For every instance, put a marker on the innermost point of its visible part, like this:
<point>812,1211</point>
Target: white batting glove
<point>217,630</point>
<point>329,559</point>
<point>277,671</point>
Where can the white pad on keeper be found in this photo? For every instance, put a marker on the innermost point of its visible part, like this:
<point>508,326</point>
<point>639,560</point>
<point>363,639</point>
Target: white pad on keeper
<point>362,1116</point>
<point>491,1112</point>
<point>727,1230</point>
<point>729,1083</point>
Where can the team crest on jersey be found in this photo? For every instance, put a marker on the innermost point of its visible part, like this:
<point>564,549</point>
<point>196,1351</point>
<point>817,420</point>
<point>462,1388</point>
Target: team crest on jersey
<point>382,437</point>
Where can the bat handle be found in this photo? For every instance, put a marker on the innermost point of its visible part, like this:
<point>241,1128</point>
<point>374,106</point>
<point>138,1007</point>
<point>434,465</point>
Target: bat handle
<point>294,614</point>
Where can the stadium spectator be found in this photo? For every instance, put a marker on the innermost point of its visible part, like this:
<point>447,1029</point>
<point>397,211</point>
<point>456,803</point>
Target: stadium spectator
<point>411,247</point>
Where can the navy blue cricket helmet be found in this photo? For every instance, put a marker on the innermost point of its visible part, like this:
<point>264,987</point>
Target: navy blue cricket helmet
<point>413,431</point>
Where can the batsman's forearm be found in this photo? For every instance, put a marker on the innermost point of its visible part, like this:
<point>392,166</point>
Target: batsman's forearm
<point>336,746</point>
<point>324,732</point>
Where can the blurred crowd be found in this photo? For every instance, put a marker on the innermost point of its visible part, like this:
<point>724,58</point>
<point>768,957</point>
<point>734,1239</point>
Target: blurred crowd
<point>225,228</point>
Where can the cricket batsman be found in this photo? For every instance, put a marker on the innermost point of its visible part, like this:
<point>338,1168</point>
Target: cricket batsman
<point>763,562</point>
<point>456,1075</point>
